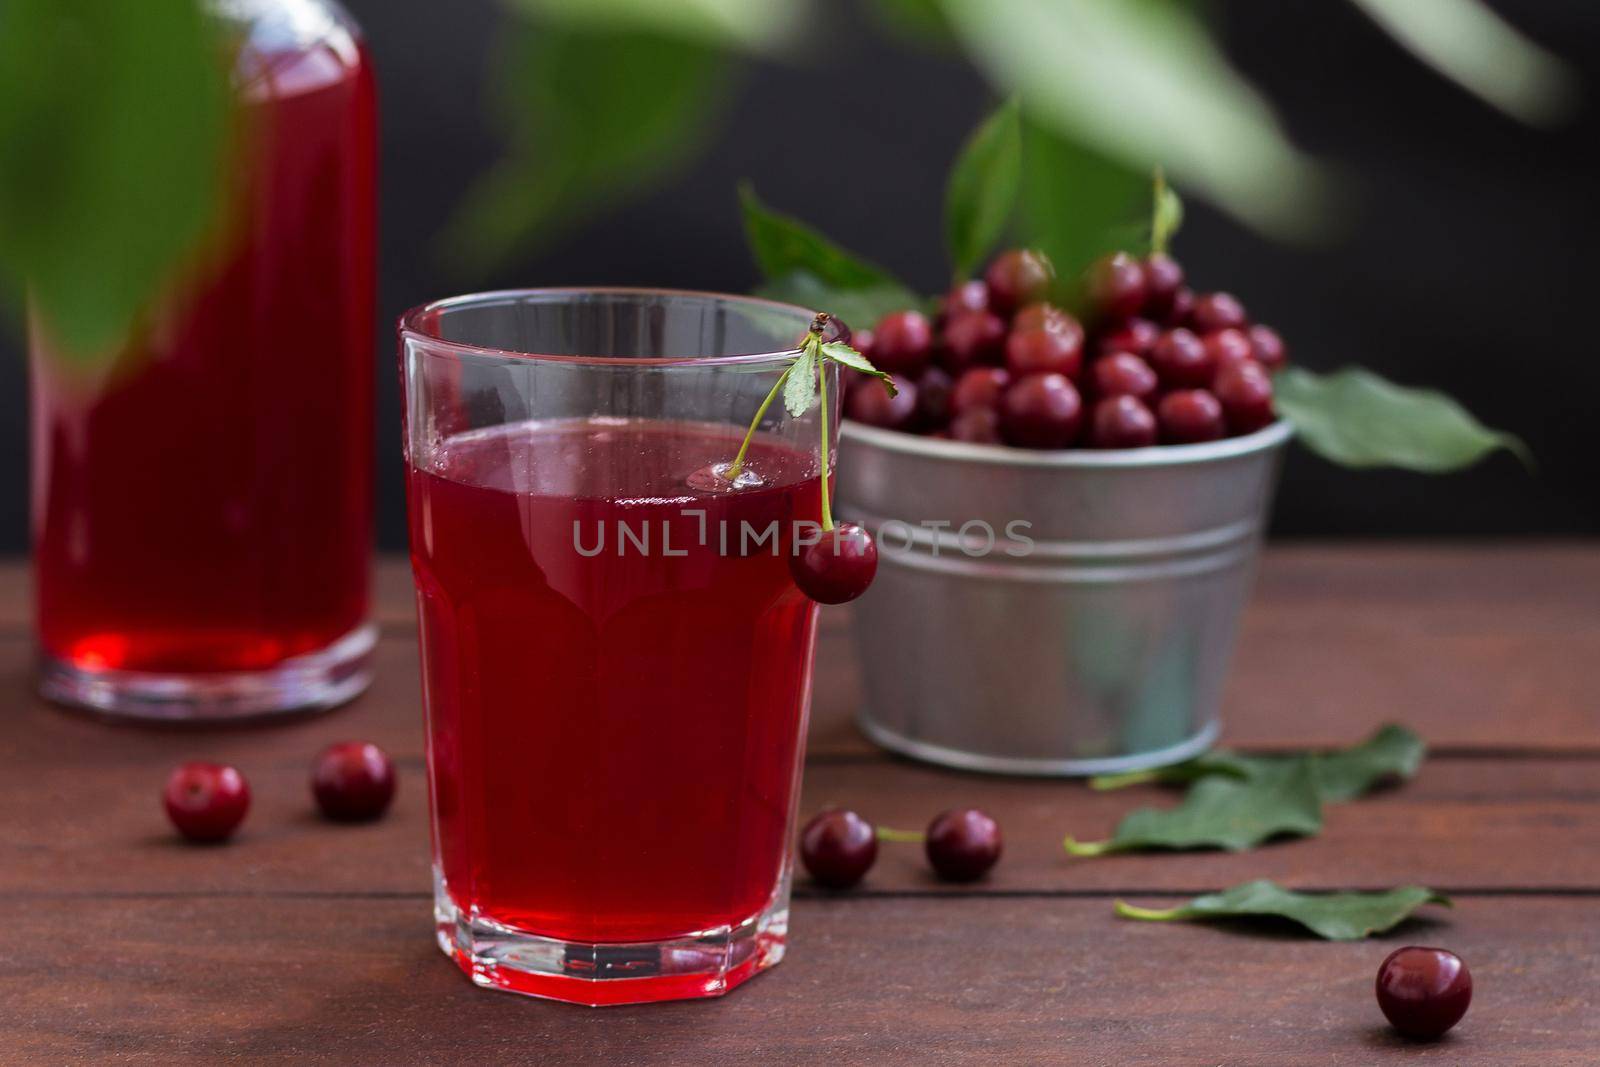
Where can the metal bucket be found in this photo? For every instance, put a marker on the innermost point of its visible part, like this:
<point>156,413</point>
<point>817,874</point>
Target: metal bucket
<point>1102,646</point>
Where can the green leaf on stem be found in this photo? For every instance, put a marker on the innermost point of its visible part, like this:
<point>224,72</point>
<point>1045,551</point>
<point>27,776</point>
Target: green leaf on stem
<point>846,356</point>
<point>981,192</point>
<point>1335,916</point>
<point>1393,752</point>
<point>114,131</point>
<point>1221,811</point>
<point>855,306</point>
<point>1167,216</point>
<point>1357,419</point>
<point>783,245</point>
<point>800,391</point>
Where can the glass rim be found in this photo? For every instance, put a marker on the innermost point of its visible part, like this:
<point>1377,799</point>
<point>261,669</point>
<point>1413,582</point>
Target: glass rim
<point>411,326</point>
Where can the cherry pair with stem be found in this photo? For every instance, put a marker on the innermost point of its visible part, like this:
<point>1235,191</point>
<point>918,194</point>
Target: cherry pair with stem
<point>838,847</point>
<point>839,565</point>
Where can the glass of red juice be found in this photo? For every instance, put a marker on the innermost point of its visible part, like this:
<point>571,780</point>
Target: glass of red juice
<point>202,502</point>
<point>616,663</point>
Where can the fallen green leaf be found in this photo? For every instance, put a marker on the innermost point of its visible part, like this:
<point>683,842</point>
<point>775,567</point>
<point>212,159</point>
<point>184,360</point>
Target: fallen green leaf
<point>860,307</point>
<point>1357,419</point>
<point>981,192</point>
<point>1392,752</point>
<point>1222,811</point>
<point>1335,916</point>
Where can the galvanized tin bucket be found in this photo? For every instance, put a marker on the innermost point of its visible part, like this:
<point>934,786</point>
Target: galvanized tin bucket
<point>1057,613</point>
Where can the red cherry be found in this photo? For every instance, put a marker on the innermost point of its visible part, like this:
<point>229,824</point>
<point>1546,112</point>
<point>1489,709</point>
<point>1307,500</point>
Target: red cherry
<point>1181,360</point>
<point>1245,392</point>
<point>838,567</point>
<point>838,848</point>
<point>1218,311</point>
<point>1122,374</point>
<point>1227,348</point>
<point>861,341</point>
<point>966,296</point>
<point>1269,348</point>
<point>1041,411</point>
<point>979,388</point>
<point>1117,286</point>
<point>1163,277</point>
<point>962,845</point>
<point>971,338</point>
<point>1043,316</point>
<point>1182,308</point>
<point>1020,276</point>
<point>1045,351</point>
<point>1424,991</point>
<point>353,781</point>
<point>902,342</point>
<point>933,399</point>
<point>206,801</point>
<point>1190,415</point>
<point>1134,335</point>
<point>980,426</point>
<point>871,403</point>
<point>1122,422</point>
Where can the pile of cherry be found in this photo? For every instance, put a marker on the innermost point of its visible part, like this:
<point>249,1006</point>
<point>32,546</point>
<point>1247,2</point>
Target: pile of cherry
<point>999,365</point>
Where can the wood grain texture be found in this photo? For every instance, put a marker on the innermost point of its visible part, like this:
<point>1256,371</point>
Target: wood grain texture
<point>352,980</point>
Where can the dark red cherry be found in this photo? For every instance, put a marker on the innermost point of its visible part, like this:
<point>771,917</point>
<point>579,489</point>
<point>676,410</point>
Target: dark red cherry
<point>1182,308</point>
<point>1041,411</point>
<point>1163,277</point>
<point>1227,348</point>
<point>1122,374</point>
<point>980,387</point>
<point>1269,348</point>
<point>1134,335</point>
<point>206,801</point>
<point>1117,286</point>
<point>1181,360</point>
<point>861,341</point>
<point>870,402</point>
<point>972,338</point>
<point>962,845</point>
<point>933,399</point>
<point>353,781</point>
<point>1218,311</point>
<point>838,848</point>
<point>966,296</point>
<point>1423,992</point>
<point>1122,422</point>
<point>979,426</point>
<point>1020,276</point>
<point>838,567</point>
<point>1045,351</point>
<point>902,342</point>
<point>1245,392</point>
<point>1190,415</point>
<point>1043,316</point>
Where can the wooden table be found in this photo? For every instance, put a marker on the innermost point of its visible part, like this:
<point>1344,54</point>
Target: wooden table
<point>302,939</point>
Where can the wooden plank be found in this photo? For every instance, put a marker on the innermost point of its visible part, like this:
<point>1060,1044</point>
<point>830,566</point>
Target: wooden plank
<point>197,980</point>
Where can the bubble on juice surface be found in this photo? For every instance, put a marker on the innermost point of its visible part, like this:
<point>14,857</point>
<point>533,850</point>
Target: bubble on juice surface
<point>713,478</point>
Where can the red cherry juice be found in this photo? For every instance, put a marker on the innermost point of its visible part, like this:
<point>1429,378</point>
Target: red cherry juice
<point>615,731</point>
<point>206,505</point>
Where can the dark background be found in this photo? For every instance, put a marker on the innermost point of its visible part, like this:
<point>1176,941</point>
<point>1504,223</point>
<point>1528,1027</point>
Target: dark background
<point>1466,260</point>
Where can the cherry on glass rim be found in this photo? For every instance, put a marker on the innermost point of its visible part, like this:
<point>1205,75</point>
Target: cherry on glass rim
<point>1422,991</point>
<point>206,801</point>
<point>838,847</point>
<point>963,844</point>
<point>353,781</point>
<point>838,566</point>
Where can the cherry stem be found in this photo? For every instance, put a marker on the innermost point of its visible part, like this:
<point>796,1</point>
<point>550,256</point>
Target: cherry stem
<point>913,837</point>
<point>822,388</point>
<point>737,466</point>
<point>1129,911</point>
<point>1106,782</point>
<point>1086,848</point>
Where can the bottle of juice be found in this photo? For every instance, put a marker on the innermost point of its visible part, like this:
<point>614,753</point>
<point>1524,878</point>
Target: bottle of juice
<point>202,504</point>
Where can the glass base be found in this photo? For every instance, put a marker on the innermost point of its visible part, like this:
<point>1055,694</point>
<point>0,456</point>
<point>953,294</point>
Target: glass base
<point>700,965</point>
<point>314,681</point>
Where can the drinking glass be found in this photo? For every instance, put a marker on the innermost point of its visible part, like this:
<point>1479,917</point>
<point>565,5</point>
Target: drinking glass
<point>616,663</point>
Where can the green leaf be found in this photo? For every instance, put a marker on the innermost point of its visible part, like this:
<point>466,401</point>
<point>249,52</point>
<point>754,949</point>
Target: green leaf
<point>1224,812</point>
<point>1357,419</point>
<point>1167,217</point>
<point>861,307</point>
<point>1344,774</point>
<point>764,27</point>
<point>1077,204</point>
<point>114,126</point>
<point>1143,82</point>
<point>1335,916</point>
<point>594,118</point>
<point>800,391</point>
<point>1467,42</point>
<point>982,189</point>
<point>783,245</point>
<point>846,356</point>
